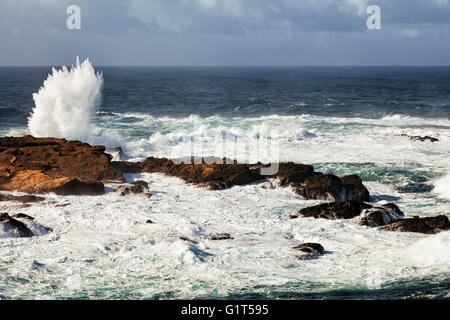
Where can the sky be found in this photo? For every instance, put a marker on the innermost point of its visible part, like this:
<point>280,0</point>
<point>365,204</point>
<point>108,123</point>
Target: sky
<point>225,32</point>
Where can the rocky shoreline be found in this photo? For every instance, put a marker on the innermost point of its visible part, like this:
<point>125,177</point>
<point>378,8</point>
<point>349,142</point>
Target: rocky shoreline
<point>38,166</point>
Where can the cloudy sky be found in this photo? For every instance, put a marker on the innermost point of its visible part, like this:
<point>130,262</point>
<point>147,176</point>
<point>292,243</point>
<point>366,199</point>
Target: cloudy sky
<point>225,32</point>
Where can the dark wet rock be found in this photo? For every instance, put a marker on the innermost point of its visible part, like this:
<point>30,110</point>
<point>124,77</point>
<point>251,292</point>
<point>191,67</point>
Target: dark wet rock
<point>127,167</point>
<point>420,138</point>
<point>217,174</point>
<point>294,175</point>
<point>309,251</point>
<point>221,236</point>
<point>355,190</point>
<point>324,187</point>
<point>62,205</point>
<point>137,187</point>
<point>22,216</point>
<point>23,199</point>
<point>414,188</point>
<point>42,165</point>
<point>188,240</point>
<point>9,224</point>
<point>334,210</point>
<point>429,225</point>
<point>381,215</point>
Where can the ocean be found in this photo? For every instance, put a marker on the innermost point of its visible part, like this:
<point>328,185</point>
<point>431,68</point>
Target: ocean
<point>341,120</point>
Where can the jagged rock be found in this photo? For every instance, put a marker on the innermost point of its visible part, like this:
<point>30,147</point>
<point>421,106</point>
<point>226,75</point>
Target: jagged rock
<point>137,187</point>
<point>10,225</point>
<point>355,190</point>
<point>221,236</point>
<point>420,138</point>
<point>41,165</point>
<point>430,225</point>
<point>324,187</point>
<point>334,210</point>
<point>23,199</point>
<point>379,216</point>
<point>309,251</point>
<point>207,174</point>
<point>227,173</point>
<point>294,175</point>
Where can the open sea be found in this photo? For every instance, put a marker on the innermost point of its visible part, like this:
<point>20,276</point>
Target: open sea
<point>341,120</point>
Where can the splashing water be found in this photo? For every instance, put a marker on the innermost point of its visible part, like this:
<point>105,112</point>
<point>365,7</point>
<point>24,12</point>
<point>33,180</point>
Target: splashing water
<point>66,102</point>
<point>442,187</point>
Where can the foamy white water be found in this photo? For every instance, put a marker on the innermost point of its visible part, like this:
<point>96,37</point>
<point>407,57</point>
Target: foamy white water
<point>442,186</point>
<point>66,102</point>
<point>102,247</point>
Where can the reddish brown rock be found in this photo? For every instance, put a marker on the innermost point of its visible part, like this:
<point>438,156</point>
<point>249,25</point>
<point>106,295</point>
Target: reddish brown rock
<point>41,165</point>
<point>430,225</point>
<point>226,175</point>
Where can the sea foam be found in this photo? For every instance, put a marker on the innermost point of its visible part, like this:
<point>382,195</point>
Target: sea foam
<point>442,187</point>
<point>66,102</point>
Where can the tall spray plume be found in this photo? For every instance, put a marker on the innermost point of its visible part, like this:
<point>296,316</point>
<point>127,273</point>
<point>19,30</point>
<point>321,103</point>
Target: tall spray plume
<point>64,105</point>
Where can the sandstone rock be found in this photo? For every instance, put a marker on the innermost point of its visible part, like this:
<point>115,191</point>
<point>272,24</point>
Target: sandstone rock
<point>40,165</point>
<point>430,225</point>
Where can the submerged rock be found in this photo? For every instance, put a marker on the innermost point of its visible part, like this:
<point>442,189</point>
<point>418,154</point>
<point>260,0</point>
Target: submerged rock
<point>309,251</point>
<point>42,165</point>
<point>429,225</point>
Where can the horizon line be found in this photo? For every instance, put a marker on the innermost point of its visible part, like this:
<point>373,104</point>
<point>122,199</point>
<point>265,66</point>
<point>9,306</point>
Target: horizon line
<point>237,66</point>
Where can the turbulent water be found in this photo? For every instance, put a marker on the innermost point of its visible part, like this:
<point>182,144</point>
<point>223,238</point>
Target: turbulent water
<point>341,120</point>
